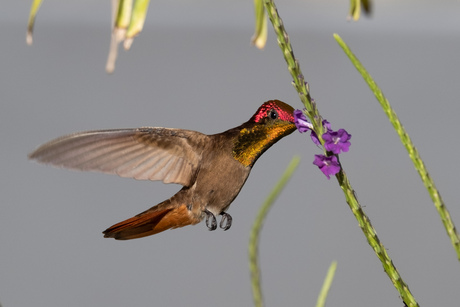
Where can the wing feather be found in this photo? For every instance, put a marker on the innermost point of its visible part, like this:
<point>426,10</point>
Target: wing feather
<point>170,155</point>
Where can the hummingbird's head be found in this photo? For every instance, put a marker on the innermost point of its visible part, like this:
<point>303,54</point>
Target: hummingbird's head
<point>273,120</point>
<point>273,110</point>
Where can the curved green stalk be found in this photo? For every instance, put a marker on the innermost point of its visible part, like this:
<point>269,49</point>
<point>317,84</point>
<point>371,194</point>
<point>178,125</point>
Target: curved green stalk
<point>407,142</point>
<point>321,302</point>
<point>313,114</point>
<point>257,227</point>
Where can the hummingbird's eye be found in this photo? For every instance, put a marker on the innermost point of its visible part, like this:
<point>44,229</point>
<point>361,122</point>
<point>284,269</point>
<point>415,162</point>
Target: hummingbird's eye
<point>273,114</point>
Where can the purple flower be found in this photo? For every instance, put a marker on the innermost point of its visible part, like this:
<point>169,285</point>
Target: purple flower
<point>327,125</point>
<point>301,121</point>
<point>337,141</point>
<point>334,141</point>
<point>314,136</point>
<point>328,165</point>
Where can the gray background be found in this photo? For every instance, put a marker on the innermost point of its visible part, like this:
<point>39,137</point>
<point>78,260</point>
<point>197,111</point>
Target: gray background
<point>193,67</point>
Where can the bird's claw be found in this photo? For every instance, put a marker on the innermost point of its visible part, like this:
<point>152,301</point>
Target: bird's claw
<point>226,221</point>
<point>213,225</point>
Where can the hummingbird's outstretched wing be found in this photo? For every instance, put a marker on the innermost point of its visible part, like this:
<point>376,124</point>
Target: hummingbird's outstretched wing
<point>150,153</point>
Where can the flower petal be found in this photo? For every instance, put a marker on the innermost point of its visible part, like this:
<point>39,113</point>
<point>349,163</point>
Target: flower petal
<point>328,165</point>
<point>337,141</point>
<point>301,121</point>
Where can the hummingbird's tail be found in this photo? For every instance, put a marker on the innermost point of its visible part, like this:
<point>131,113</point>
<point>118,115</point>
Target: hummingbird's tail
<point>154,220</point>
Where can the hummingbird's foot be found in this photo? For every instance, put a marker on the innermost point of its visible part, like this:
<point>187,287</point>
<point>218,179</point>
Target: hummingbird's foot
<point>226,221</point>
<point>213,225</point>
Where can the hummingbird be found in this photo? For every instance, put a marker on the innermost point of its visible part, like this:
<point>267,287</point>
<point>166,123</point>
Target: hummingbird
<point>211,168</point>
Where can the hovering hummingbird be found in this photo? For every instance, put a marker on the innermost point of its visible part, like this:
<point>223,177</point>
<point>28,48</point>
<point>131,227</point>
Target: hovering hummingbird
<point>211,168</point>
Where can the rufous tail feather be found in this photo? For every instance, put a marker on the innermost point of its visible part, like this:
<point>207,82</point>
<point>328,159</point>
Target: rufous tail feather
<point>152,221</point>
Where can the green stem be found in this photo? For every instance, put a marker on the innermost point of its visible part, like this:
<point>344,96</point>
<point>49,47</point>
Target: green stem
<point>374,241</point>
<point>363,220</point>
<point>257,227</point>
<point>299,83</point>
<point>326,285</point>
<point>407,142</point>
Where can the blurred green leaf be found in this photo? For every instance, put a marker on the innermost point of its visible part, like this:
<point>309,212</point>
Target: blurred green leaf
<point>137,21</point>
<point>128,18</point>
<point>30,25</point>
<point>355,8</point>
<point>367,6</point>
<point>124,14</point>
<point>259,39</point>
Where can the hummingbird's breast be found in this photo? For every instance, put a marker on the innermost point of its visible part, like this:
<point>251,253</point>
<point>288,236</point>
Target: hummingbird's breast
<point>220,177</point>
